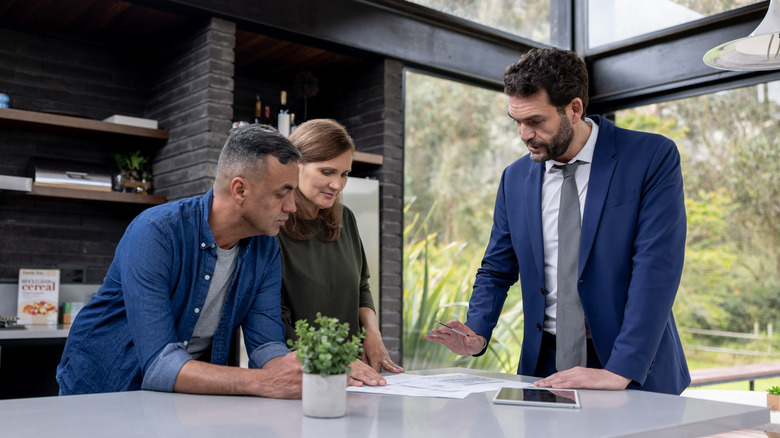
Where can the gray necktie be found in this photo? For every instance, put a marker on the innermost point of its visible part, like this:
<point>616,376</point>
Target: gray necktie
<point>571,348</point>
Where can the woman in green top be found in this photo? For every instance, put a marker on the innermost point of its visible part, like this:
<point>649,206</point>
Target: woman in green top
<point>324,266</point>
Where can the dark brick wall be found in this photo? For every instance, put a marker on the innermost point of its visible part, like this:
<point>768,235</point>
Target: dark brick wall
<point>188,87</point>
<point>48,74</point>
<point>193,95</point>
<point>391,176</point>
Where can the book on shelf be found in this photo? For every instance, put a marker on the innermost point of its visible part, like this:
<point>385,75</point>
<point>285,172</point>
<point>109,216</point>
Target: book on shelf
<point>38,296</point>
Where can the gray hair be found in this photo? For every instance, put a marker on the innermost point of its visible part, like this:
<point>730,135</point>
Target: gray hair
<point>246,149</point>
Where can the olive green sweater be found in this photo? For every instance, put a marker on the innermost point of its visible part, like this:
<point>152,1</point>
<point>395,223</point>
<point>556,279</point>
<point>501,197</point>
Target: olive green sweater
<point>326,277</point>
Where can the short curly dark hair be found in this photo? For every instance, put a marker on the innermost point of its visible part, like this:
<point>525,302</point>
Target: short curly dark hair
<point>561,73</point>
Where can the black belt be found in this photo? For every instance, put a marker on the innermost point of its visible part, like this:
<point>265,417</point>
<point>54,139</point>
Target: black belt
<point>548,340</point>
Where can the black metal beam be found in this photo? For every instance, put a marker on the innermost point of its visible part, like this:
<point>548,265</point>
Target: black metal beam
<point>659,66</point>
<point>561,24</point>
<point>668,64</point>
<point>415,35</point>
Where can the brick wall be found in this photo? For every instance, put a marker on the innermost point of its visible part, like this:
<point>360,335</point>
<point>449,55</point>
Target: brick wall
<point>391,175</point>
<point>193,96</point>
<point>188,86</point>
<point>46,74</point>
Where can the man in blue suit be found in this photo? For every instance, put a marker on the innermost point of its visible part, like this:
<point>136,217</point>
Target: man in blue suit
<point>632,238</point>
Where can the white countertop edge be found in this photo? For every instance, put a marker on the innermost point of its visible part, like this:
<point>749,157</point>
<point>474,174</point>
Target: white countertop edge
<point>36,332</point>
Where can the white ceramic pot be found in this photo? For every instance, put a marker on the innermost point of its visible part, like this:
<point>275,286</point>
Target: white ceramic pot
<point>324,397</point>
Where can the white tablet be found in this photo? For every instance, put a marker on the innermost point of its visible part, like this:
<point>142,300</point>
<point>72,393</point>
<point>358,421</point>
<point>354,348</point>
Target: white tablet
<point>556,398</point>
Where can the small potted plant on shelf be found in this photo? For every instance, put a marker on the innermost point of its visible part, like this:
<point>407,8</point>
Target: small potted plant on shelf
<point>325,354</point>
<point>773,398</point>
<point>134,175</point>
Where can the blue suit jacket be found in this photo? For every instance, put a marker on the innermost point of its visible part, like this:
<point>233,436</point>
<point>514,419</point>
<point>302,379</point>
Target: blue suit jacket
<point>631,257</point>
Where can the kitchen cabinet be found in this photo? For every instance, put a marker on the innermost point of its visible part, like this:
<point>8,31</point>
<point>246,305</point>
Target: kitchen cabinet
<point>29,359</point>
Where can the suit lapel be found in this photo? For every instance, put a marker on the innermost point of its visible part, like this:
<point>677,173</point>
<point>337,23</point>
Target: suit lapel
<point>533,211</point>
<point>601,171</point>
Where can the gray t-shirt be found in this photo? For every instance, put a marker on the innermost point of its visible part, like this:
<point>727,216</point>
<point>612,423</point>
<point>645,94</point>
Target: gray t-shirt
<point>212,308</point>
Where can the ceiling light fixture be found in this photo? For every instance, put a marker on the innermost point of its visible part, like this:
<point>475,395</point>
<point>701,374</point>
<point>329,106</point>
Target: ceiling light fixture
<point>758,51</point>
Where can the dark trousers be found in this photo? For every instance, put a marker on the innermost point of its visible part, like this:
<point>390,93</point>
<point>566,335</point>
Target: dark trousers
<point>545,366</point>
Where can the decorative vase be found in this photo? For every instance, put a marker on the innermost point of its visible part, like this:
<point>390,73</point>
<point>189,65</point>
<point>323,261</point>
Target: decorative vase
<point>145,187</point>
<point>773,402</point>
<point>118,183</point>
<point>131,181</point>
<point>324,397</point>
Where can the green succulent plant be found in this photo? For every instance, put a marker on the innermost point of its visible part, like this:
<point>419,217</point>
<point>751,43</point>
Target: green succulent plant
<point>136,161</point>
<point>774,390</point>
<point>326,350</point>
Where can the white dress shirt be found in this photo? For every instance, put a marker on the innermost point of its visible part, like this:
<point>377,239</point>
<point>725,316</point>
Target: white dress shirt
<point>551,199</point>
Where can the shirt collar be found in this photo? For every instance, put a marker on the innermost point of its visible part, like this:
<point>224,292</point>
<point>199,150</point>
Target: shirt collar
<point>586,154</point>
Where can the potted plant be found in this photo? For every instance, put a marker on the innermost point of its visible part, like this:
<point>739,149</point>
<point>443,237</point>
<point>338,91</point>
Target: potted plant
<point>325,354</point>
<point>134,173</point>
<point>773,398</point>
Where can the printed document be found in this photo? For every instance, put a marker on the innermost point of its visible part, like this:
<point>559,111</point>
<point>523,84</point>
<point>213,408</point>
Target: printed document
<point>438,385</point>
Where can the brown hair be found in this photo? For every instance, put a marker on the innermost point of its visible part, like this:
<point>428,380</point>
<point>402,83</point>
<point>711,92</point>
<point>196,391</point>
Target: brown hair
<point>318,140</point>
<point>561,73</point>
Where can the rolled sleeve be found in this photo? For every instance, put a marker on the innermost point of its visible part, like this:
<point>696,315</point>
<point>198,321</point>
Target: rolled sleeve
<point>163,371</point>
<point>262,354</point>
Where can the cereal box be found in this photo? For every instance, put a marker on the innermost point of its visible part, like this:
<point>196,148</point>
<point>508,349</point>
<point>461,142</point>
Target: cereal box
<point>38,296</point>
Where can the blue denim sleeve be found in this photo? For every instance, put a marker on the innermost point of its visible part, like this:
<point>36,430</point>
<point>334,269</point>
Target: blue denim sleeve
<point>147,257</point>
<point>162,373</point>
<point>263,327</point>
<point>266,352</point>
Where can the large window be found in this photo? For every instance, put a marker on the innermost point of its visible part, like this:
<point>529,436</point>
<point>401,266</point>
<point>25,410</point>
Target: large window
<point>611,21</point>
<point>728,305</point>
<point>458,140</point>
<point>544,21</point>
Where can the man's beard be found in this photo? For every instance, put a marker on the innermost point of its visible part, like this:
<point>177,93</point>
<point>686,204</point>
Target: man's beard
<point>558,144</point>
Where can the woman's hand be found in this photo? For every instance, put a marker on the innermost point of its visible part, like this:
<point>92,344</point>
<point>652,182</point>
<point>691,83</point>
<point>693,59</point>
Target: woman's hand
<point>375,354</point>
<point>374,351</point>
<point>362,374</point>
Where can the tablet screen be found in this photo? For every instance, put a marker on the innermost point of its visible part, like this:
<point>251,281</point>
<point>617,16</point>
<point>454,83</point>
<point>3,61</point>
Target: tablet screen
<point>538,397</point>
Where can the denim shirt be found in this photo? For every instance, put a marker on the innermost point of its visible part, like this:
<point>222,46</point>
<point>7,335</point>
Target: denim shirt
<point>133,333</point>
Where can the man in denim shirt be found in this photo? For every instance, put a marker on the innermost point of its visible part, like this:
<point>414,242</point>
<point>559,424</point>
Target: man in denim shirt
<point>185,276</point>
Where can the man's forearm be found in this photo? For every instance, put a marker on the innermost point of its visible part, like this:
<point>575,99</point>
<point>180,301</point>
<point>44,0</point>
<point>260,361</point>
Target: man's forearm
<point>197,377</point>
<point>280,378</point>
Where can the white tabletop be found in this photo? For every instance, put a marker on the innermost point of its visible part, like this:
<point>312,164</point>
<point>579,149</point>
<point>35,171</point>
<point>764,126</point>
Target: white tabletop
<point>155,414</point>
<point>753,398</point>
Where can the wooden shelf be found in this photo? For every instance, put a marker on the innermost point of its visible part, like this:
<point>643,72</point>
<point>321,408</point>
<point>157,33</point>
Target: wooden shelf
<point>56,123</point>
<point>367,158</point>
<point>33,120</point>
<point>95,195</point>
